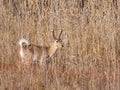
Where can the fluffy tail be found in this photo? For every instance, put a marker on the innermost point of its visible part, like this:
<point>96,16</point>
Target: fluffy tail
<point>23,42</point>
<point>23,45</point>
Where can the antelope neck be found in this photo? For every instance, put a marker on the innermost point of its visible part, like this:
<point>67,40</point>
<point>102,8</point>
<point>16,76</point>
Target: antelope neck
<point>52,49</point>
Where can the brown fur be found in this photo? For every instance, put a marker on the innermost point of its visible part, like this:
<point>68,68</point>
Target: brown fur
<point>41,53</point>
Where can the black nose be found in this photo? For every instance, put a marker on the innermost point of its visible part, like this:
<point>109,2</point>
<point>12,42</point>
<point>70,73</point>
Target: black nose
<point>62,46</point>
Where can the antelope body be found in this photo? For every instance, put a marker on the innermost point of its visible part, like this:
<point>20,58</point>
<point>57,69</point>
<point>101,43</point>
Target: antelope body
<point>30,52</point>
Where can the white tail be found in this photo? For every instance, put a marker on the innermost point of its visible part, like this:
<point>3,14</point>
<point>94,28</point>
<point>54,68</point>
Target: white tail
<point>22,42</point>
<point>39,53</point>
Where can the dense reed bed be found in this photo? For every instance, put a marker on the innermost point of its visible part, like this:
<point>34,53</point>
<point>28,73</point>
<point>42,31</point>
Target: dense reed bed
<point>90,59</point>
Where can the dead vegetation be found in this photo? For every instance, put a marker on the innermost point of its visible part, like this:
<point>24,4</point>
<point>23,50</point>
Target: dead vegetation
<point>90,59</point>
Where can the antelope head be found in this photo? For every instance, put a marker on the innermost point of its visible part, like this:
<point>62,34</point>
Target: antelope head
<point>58,41</point>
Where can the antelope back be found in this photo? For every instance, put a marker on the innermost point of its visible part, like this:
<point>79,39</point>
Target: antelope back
<point>39,52</point>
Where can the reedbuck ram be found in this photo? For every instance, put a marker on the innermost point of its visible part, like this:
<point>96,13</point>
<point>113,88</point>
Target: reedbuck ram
<point>29,52</point>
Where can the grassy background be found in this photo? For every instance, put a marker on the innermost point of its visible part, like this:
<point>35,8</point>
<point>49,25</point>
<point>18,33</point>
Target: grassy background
<point>90,59</point>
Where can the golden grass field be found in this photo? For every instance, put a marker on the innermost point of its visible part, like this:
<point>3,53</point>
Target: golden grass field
<point>90,59</point>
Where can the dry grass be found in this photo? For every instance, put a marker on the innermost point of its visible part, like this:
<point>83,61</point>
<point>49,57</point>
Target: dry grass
<point>90,59</point>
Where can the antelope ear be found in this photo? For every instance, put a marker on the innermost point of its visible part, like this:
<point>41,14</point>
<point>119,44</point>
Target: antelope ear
<point>56,40</point>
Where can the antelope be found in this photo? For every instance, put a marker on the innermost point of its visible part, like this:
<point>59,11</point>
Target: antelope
<point>30,52</point>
